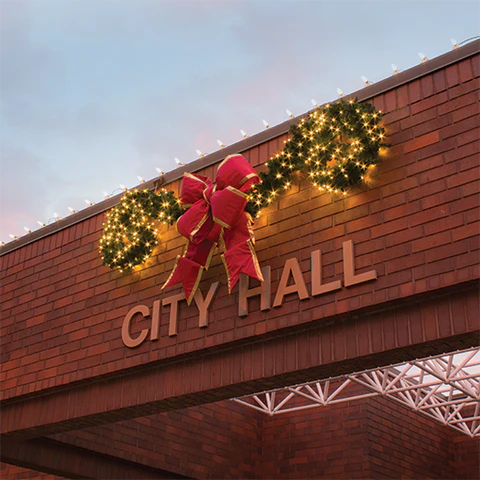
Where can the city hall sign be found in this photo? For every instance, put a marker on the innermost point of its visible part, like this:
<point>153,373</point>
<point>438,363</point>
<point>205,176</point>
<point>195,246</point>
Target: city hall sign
<point>291,282</point>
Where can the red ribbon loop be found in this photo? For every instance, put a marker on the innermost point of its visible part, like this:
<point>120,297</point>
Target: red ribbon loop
<point>216,214</point>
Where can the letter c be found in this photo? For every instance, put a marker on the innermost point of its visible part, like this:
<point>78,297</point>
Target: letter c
<point>127,339</point>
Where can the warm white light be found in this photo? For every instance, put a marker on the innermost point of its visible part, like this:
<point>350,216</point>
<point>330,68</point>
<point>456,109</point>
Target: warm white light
<point>88,202</point>
<point>106,194</point>
<point>314,102</point>
<point>365,80</point>
<point>142,180</point>
<point>289,113</point>
<point>199,153</point>
<point>178,161</point>
<point>266,123</point>
<point>123,187</point>
<point>2,243</point>
<point>12,236</point>
<point>41,223</point>
<point>27,229</point>
<point>159,170</point>
<point>340,93</point>
<point>422,56</point>
<point>220,143</point>
<point>244,135</point>
<point>57,216</point>
<point>72,210</point>
<point>394,68</point>
<point>454,43</point>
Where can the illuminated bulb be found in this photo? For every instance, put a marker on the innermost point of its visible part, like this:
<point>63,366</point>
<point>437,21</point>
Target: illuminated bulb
<point>314,103</point>
<point>289,113</point>
<point>220,143</point>
<point>394,68</point>
<point>422,57</point>
<point>41,223</point>
<point>244,135</point>
<point>123,187</point>
<point>106,194</point>
<point>340,93</point>
<point>27,229</point>
<point>266,123</point>
<point>72,210</point>
<point>12,236</point>
<point>178,161</point>
<point>57,216</point>
<point>366,81</point>
<point>2,244</point>
<point>199,153</point>
<point>142,180</point>
<point>88,202</point>
<point>159,170</point>
<point>454,43</point>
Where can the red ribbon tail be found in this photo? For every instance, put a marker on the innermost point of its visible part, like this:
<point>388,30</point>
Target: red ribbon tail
<point>241,259</point>
<point>188,273</point>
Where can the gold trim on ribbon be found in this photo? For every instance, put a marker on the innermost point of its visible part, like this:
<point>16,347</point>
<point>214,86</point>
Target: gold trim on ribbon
<point>225,160</point>
<point>235,190</point>
<point>173,271</point>
<point>258,270</point>
<point>198,227</point>
<point>220,222</point>
<point>194,177</point>
<point>222,256</point>
<point>248,177</point>
<point>210,255</point>
<point>195,286</point>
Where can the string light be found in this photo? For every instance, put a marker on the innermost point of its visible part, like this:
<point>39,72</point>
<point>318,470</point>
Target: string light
<point>314,103</point>
<point>12,236</point>
<point>89,203</point>
<point>244,135</point>
<point>266,123</point>
<point>141,179</point>
<point>394,68</point>
<point>159,170</point>
<point>220,143</point>
<point>41,223</point>
<point>422,57</point>
<point>340,93</point>
<point>72,210</point>
<point>289,113</point>
<point>123,187</point>
<point>2,243</point>
<point>454,43</point>
<point>199,153</point>
<point>106,194</point>
<point>56,216</point>
<point>365,80</point>
<point>27,229</point>
<point>178,162</point>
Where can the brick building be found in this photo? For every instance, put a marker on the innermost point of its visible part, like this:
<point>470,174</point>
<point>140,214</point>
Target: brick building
<point>78,403</point>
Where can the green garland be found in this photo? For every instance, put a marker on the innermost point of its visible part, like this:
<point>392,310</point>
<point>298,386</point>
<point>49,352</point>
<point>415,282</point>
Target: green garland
<point>334,146</point>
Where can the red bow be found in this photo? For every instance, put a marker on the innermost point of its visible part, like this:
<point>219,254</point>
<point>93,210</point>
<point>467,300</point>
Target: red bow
<point>216,215</point>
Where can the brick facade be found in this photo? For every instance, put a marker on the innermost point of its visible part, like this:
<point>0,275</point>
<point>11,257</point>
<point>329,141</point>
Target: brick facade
<point>64,365</point>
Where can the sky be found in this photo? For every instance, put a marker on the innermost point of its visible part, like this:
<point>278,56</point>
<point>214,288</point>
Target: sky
<point>94,93</point>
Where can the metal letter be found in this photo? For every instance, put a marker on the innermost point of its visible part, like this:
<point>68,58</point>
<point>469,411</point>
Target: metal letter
<point>349,267</point>
<point>203,304</point>
<point>299,287</point>
<point>317,287</point>
<point>127,339</point>
<point>264,290</point>
<point>173,302</point>
<point>155,319</point>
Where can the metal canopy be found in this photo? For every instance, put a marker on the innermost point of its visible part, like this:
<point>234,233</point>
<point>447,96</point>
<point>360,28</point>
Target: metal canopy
<point>444,387</point>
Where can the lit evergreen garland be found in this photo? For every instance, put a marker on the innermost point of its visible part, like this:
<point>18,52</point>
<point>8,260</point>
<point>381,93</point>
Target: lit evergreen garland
<point>334,146</point>
<point>129,234</point>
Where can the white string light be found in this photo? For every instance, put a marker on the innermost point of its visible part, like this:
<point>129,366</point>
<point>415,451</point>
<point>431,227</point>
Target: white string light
<point>12,236</point>
<point>366,81</point>
<point>72,210</point>
<point>178,162</point>
<point>266,124</point>
<point>244,135</point>
<point>106,194</point>
<point>41,223</point>
<point>394,68</point>
<point>199,152</point>
<point>422,57</point>
<point>57,216</point>
<point>88,202</point>
<point>314,102</point>
<point>123,187</point>
<point>220,143</point>
<point>159,170</point>
<point>454,43</point>
<point>141,179</point>
<point>2,243</point>
<point>289,113</point>
<point>27,229</point>
<point>340,93</point>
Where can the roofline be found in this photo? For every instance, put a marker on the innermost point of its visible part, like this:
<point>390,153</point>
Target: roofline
<point>362,95</point>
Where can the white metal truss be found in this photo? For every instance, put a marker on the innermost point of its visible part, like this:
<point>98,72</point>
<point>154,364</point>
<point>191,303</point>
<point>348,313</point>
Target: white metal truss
<point>444,387</point>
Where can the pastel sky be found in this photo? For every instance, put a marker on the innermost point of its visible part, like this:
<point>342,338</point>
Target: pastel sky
<point>96,92</point>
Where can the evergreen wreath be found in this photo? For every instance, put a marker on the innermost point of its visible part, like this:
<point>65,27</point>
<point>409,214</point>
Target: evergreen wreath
<point>334,146</point>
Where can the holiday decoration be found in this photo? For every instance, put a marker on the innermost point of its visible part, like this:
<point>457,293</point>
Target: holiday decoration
<point>216,214</point>
<point>333,146</point>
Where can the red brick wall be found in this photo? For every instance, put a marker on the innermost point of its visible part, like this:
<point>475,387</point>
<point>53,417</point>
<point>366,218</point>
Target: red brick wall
<point>11,472</point>
<point>416,224</point>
